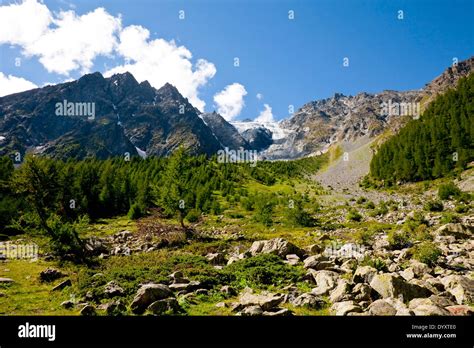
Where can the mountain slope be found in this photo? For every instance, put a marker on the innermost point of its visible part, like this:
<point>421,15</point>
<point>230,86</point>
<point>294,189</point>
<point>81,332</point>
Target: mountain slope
<point>128,115</point>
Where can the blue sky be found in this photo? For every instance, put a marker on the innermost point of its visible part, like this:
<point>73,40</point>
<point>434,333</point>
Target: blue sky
<point>289,62</point>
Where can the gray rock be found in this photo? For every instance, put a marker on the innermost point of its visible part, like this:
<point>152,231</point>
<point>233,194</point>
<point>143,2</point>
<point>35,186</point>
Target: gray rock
<point>277,246</point>
<point>115,308</point>
<point>112,289</point>
<point>148,294</point>
<point>50,274</point>
<point>88,310</point>
<point>362,292</point>
<point>345,307</point>
<point>342,292</point>
<point>309,300</point>
<point>6,280</point>
<point>165,306</point>
<point>457,230</point>
<point>364,274</point>
<point>293,259</point>
<point>62,285</point>
<point>392,285</point>
<point>265,300</point>
<point>462,288</point>
<point>67,304</point>
<point>251,311</point>
<point>186,287</point>
<point>278,312</point>
<point>216,258</point>
<point>325,281</point>
<point>314,249</point>
<point>228,291</point>
<point>381,307</point>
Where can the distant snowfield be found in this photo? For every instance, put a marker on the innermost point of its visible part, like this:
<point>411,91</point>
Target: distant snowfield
<point>277,131</point>
<point>2,138</point>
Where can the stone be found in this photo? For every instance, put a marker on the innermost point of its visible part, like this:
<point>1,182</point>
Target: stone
<point>318,262</point>
<point>186,287</point>
<point>345,307</point>
<point>112,289</point>
<point>408,274</point>
<point>460,310</point>
<point>325,281</point>
<point>457,230</point>
<point>309,300</point>
<point>178,277</point>
<point>165,306</point>
<point>392,285</point>
<point>443,299</point>
<point>426,307</point>
<point>6,280</point>
<point>278,312</point>
<point>364,274</point>
<point>88,310</point>
<point>293,259</point>
<point>277,246</point>
<point>381,307</point>
<point>462,288</point>
<point>115,308</point>
<point>67,304</point>
<point>221,305</point>
<point>314,249</point>
<point>362,292</point>
<point>50,274</point>
<point>216,258</point>
<point>401,308</point>
<point>147,294</point>
<point>342,292</point>
<point>419,268</point>
<point>62,285</point>
<point>265,300</point>
<point>251,311</point>
<point>228,291</point>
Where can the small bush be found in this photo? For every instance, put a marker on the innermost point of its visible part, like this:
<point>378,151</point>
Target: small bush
<point>361,200</point>
<point>434,206</point>
<point>365,236</point>
<point>354,215</point>
<point>136,211</point>
<point>448,190</point>
<point>370,205</point>
<point>376,263</point>
<point>426,252</point>
<point>449,218</point>
<point>461,208</point>
<point>193,215</point>
<point>398,239</point>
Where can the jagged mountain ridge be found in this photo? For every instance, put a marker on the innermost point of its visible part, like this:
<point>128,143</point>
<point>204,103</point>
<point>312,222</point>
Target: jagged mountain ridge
<point>128,115</point>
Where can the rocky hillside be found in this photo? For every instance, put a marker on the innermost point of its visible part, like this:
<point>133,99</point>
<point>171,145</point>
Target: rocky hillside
<point>128,117</point>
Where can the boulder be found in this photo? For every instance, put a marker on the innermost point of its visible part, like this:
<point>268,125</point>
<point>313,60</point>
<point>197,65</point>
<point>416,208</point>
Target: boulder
<point>228,291</point>
<point>88,310</point>
<point>457,230</point>
<point>317,262</point>
<point>62,285</point>
<point>362,292</point>
<point>50,274</point>
<point>460,310</point>
<point>309,300</point>
<point>67,304</point>
<point>364,274</point>
<point>462,288</point>
<point>277,246</point>
<point>325,281</point>
<point>265,300</point>
<point>314,249</point>
<point>185,287</point>
<point>115,308</point>
<point>165,306</point>
<point>178,277</point>
<point>293,259</point>
<point>148,294</point>
<point>342,292</point>
<point>112,289</point>
<point>6,280</point>
<point>392,285</point>
<point>251,311</point>
<point>345,307</point>
<point>278,312</point>
<point>381,307</point>
<point>216,258</point>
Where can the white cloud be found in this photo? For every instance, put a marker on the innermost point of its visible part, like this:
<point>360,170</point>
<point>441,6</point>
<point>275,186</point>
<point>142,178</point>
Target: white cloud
<point>259,96</point>
<point>230,101</point>
<point>160,61</point>
<point>11,84</point>
<point>265,115</point>
<point>63,42</point>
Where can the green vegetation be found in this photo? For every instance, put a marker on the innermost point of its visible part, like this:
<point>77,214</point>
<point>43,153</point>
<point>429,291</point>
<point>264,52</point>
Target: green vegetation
<point>435,145</point>
<point>426,252</point>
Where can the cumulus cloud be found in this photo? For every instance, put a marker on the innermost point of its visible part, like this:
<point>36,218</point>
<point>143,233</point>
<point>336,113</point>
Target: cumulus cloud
<point>259,96</point>
<point>63,42</point>
<point>265,115</point>
<point>160,61</point>
<point>10,84</point>
<point>230,101</point>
